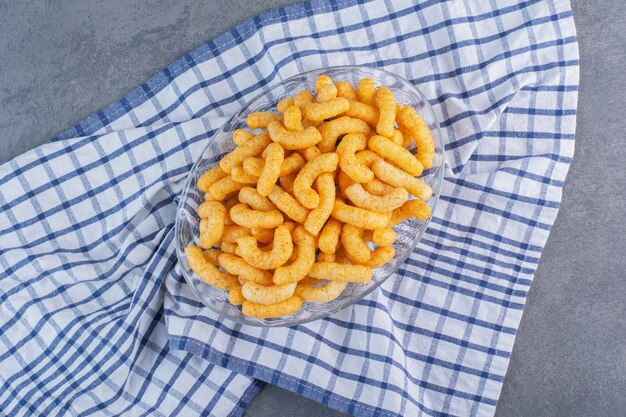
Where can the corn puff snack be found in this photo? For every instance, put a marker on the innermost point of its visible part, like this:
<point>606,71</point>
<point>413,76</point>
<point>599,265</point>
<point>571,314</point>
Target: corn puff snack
<point>307,201</point>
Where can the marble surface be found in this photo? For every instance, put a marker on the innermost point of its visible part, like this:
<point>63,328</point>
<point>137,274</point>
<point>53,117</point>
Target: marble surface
<point>61,61</point>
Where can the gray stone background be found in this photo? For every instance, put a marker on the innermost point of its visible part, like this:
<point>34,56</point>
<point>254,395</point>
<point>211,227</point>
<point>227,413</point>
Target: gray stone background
<point>570,355</point>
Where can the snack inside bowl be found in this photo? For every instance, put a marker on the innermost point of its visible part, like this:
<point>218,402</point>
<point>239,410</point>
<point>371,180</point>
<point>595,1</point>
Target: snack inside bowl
<point>408,232</point>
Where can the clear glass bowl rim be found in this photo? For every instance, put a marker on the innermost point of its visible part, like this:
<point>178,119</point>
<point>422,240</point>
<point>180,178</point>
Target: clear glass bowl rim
<point>350,301</point>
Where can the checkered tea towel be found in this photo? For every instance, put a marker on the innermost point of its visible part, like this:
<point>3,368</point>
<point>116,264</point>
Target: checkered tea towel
<point>95,318</point>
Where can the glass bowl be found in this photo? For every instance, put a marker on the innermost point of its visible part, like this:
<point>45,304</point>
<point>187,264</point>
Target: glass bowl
<point>409,232</point>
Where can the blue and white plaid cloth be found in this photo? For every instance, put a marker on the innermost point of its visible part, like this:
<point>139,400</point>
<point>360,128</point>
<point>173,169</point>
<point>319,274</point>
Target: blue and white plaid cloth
<point>95,318</point>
